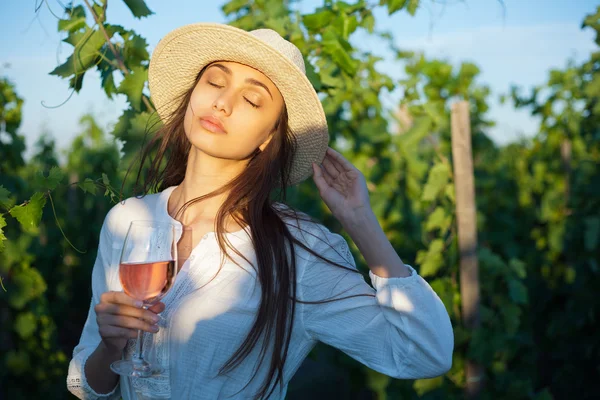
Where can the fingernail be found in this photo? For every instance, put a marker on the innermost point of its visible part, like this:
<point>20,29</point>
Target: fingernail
<point>154,328</point>
<point>139,304</point>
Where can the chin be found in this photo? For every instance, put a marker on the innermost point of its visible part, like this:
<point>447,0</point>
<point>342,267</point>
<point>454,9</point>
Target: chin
<point>216,150</point>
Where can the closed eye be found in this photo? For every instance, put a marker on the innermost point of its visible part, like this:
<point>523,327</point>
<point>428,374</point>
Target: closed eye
<point>248,101</point>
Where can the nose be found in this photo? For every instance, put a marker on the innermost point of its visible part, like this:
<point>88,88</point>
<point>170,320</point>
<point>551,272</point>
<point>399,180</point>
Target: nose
<point>222,103</point>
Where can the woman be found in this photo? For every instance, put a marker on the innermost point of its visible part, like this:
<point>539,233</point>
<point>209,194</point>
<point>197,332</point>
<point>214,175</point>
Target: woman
<point>260,283</point>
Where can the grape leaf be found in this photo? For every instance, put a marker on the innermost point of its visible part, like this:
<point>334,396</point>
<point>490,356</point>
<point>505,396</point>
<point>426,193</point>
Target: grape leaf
<point>338,49</point>
<point>422,386</point>
<point>431,260</point>
<point>517,291</point>
<point>88,186</point>
<point>135,51</point>
<point>27,284</point>
<point>5,200</point>
<point>412,7</point>
<point>73,24</point>
<point>395,5</point>
<point>438,178</point>
<point>75,21</point>
<point>55,176</point>
<point>25,324</point>
<point>30,214</point>
<point>233,6</point>
<point>438,220</point>
<point>138,8</point>
<point>132,86</point>
<point>2,237</point>
<point>317,21</point>
<point>87,47</point>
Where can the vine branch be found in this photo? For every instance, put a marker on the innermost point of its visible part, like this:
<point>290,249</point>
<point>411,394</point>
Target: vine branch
<point>100,22</point>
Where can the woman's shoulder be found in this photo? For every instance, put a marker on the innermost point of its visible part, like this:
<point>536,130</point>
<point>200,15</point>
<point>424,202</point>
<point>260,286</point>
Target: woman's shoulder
<point>302,226</point>
<point>120,215</point>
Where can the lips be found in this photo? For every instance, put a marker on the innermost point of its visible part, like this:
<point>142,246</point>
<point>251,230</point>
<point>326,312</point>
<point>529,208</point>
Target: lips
<point>212,124</point>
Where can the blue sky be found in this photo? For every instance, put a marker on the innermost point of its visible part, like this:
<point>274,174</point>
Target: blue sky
<point>515,44</point>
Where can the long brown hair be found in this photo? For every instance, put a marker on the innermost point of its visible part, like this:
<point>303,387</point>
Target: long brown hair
<point>250,200</point>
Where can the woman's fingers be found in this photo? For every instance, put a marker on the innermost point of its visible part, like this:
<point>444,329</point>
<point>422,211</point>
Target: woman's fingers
<point>126,322</point>
<point>120,298</point>
<point>158,307</point>
<point>328,178</point>
<point>340,160</point>
<point>110,331</point>
<point>331,168</point>
<point>125,310</point>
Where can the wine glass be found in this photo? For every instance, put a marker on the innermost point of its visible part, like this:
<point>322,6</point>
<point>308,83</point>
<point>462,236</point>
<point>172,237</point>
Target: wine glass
<point>147,270</point>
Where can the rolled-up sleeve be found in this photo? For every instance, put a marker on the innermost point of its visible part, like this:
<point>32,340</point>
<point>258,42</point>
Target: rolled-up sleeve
<point>399,328</point>
<point>90,337</point>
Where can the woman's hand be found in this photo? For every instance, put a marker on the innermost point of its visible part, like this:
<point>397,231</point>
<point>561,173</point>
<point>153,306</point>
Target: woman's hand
<point>118,319</point>
<point>341,186</point>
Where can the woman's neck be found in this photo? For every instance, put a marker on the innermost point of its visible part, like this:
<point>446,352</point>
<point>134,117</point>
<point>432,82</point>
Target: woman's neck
<point>204,174</point>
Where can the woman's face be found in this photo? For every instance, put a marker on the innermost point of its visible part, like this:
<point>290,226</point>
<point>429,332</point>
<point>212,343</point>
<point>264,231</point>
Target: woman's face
<point>233,111</point>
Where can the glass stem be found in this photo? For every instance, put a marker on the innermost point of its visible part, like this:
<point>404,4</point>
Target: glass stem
<point>138,360</point>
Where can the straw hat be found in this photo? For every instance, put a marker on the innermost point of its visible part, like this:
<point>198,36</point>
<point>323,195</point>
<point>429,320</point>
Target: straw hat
<point>183,52</point>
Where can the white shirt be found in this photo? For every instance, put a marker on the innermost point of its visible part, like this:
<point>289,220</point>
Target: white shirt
<point>404,331</point>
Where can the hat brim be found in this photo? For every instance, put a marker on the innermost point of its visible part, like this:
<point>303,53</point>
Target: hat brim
<point>183,52</point>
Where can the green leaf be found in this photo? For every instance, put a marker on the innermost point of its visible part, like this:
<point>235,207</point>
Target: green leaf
<point>368,23</point>
<point>138,8</point>
<point>88,186</point>
<point>517,291</point>
<point>312,75</point>
<point>135,51</point>
<point>133,85</point>
<point>55,177</point>
<point>438,220</point>
<point>450,192</point>
<point>412,7</point>
<point>395,5</point>
<point>85,54</point>
<point>422,386</point>
<point>30,214</point>
<point>25,324</point>
<point>318,21</point>
<point>437,180</point>
<point>75,20</point>
<point>133,127</point>
<point>27,285</point>
<point>431,260</point>
<point>73,24</point>
<point>234,6</point>
<point>377,381</point>
<point>519,267</point>
<point>2,237</point>
<point>345,25</point>
<point>443,288</point>
<point>5,200</point>
<point>109,190</point>
<point>420,129</point>
<point>337,48</point>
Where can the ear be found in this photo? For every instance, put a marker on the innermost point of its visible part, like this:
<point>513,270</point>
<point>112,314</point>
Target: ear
<point>266,142</point>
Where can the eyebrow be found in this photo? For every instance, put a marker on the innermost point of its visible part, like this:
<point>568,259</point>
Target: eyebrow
<point>248,80</point>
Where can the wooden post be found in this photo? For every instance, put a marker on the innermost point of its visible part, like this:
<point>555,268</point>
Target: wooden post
<point>466,216</point>
<point>405,120</point>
